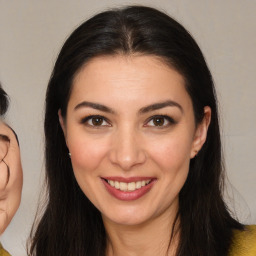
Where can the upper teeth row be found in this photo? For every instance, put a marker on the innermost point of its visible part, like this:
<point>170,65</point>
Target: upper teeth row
<point>131,186</point>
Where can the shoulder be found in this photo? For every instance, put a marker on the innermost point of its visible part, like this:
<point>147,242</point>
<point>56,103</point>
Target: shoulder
<point>244,242</point>
<point>3,252</point>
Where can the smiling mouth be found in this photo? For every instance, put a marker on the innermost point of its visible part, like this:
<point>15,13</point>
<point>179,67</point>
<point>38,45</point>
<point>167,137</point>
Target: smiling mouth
<point>128,186</point>
<point>128,189</point>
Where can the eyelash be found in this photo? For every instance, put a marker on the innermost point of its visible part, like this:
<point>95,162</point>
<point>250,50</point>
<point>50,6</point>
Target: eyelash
<point>169,119</point>
<point>166,118</point>
<point>90,118</point>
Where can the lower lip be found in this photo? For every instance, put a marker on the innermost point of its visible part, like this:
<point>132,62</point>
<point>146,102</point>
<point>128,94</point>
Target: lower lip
<point>128,195</point>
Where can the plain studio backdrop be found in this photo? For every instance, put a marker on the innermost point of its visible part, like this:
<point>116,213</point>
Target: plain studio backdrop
<point>32,33</point>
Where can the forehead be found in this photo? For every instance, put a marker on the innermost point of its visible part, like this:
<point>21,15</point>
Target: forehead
<point>128,79</point>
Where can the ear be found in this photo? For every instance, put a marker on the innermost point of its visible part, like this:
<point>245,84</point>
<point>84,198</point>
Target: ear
<point>201,132</point>
<point>62,124</point>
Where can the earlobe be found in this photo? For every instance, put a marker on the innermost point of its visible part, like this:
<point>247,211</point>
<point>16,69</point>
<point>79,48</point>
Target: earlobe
<point>201,132</point>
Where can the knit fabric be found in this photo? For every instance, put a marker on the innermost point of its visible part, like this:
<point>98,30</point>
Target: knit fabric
<point>244,242</point>
<point>3,252</point>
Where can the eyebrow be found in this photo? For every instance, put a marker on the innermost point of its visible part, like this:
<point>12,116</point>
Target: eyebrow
<point>159,105</point>
<point>152,107</point>
<point>94,106</point>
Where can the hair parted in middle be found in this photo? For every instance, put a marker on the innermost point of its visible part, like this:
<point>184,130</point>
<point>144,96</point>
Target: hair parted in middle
<point>70,224</point>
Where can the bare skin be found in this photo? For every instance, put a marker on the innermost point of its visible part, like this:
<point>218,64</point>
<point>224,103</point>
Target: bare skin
<point>134,240</point>
<point>131,118</point>
<point>10,181</point>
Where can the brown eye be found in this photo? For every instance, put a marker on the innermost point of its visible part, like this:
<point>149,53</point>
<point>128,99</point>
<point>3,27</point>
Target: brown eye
<point>97,121</point>
<point>158,121</point>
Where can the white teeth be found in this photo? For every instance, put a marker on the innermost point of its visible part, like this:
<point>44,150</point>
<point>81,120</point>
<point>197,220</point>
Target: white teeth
<point>131,186</point>
<point>117,185</point>
<point>138,184</point>
<point>123,186</point>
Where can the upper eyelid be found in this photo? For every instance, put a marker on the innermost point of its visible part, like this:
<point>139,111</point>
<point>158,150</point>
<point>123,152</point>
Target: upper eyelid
<point>87,118</point>
<point>167,117</point>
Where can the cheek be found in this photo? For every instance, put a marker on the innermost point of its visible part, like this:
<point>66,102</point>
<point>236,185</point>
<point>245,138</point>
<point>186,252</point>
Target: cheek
<point>172,153</point>
<point>86,153</point>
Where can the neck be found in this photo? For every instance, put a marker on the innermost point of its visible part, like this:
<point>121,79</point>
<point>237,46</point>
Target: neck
<point>154,237</point>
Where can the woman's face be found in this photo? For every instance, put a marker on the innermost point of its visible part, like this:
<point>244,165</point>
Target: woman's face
<point>131,133</point>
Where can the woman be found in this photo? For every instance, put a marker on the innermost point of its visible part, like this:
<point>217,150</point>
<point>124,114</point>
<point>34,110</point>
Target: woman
<point>10,171</point>
<point>133,151</point>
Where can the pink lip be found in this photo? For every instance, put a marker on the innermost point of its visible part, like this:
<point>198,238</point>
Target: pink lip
<point>128,195</point>
<point>127,180</point>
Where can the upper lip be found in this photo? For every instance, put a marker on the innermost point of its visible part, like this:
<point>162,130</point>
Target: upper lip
<point>128,179</point>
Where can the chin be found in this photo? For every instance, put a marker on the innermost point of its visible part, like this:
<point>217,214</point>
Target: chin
<point>128,217</point>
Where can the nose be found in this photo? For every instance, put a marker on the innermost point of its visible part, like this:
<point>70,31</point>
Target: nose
<point>127,150</point>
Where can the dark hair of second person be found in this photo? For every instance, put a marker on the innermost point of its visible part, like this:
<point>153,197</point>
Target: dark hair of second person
<point>3,101</point>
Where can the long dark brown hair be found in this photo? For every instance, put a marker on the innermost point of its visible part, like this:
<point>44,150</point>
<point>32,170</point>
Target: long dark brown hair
<point>70,224</point>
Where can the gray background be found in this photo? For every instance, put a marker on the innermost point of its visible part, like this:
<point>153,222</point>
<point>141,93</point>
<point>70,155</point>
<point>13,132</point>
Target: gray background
<point>32,33</point>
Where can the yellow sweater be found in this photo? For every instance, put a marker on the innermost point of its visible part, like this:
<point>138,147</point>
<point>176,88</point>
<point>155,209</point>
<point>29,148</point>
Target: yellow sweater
<point>244,242</point>
<point>3,252</point>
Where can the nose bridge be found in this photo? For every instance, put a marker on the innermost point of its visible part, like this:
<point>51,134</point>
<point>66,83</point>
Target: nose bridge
<point>127,150</point>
